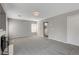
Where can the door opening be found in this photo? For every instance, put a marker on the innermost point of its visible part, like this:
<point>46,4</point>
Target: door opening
<point>45,29</point>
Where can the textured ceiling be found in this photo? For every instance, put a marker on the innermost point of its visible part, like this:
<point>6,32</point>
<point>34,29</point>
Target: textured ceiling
<point>23,11</point>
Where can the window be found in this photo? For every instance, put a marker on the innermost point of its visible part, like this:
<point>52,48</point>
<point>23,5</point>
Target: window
<point>33,27</point>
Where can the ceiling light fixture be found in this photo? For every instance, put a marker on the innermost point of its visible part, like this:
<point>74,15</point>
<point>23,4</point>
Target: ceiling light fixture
<point>36,13</point>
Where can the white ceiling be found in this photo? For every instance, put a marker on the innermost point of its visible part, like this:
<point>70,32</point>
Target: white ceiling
<point>23,11</point>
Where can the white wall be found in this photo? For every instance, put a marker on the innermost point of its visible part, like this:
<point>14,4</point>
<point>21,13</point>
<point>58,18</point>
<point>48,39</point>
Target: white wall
<point>63,28</point>
<point>57,28</point>
<point>73,29</point>
<point>19,28</point>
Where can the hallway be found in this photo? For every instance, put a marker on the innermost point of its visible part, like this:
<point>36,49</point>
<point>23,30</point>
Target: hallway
<point>42,46</point>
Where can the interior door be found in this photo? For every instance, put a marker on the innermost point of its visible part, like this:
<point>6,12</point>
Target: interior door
<point>45,30</point>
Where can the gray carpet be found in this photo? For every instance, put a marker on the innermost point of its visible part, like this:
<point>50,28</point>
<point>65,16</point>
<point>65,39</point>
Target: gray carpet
<point>42,46</point>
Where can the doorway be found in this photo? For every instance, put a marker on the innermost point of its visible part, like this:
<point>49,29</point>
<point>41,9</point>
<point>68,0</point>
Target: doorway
<point>45,29</point>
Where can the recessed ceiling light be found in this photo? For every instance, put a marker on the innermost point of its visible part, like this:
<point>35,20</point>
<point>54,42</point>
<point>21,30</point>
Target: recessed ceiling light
<point>35,13</point>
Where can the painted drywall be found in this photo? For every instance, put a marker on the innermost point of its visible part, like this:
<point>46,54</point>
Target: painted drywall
<point>73,29</point>
<point>57,28</point>
<point>19,28</point>
<point>2,19</point>
<point>63,28</point>
<point>46,9</point>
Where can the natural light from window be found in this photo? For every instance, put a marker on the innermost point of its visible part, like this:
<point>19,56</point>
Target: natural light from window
<point>34,28</point>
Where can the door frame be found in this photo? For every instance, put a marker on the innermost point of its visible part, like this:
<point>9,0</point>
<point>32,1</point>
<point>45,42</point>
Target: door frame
<point>44,29</point>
